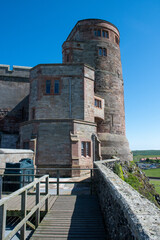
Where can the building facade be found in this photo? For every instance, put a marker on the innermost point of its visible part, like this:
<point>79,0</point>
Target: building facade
<point>76,109</point>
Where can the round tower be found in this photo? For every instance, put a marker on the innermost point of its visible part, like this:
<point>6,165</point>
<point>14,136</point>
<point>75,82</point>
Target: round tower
<point>96,42</point>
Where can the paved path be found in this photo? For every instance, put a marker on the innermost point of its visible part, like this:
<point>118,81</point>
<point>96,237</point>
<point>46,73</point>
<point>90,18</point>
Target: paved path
<point>72,217</point>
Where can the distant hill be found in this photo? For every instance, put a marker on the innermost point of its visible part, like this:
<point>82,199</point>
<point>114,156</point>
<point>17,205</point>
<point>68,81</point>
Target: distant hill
<point>146,152</point>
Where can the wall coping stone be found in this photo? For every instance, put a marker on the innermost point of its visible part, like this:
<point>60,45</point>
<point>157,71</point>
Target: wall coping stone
<point>15,151</point>
<point>143,216</point>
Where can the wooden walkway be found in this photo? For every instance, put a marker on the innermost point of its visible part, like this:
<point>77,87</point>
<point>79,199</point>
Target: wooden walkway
<point>72,217</point>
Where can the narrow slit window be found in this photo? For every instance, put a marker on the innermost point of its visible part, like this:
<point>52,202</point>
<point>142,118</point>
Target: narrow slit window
<point>88,149</point>
<point>56,86</point>
<point>48,86</point>
<point>83,148</point>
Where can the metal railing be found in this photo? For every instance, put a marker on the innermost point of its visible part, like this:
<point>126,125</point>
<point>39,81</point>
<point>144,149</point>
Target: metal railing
<point>25,217</point>
<point>57,174</point>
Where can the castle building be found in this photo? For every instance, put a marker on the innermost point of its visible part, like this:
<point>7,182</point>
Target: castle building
<point>75,110</point>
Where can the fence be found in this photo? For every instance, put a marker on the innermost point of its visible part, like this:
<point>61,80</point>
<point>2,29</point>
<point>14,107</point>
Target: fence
<point>57,176</point>
<point>25,217</point>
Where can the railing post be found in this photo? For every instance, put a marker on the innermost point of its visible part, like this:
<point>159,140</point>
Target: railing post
<point>23,212</point>
<point>37,202</point>
<point>57,182</point>
<point>91,190</point>
<point>47,184</point>
<point>2,221</point>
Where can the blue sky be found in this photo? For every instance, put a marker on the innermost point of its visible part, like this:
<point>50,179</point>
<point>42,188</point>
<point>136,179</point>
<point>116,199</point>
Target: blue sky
<point>33,31</point>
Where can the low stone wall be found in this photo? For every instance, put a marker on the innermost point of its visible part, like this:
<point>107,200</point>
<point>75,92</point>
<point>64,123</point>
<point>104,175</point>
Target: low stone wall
<point>127,214</point>
<point>13,155</point>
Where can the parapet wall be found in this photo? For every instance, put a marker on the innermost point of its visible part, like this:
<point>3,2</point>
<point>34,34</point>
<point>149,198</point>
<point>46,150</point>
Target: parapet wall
<point>127,214</point>
<point>17,71</point>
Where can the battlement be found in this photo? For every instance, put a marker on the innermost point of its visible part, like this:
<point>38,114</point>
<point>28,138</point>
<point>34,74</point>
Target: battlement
<point>17,71</point>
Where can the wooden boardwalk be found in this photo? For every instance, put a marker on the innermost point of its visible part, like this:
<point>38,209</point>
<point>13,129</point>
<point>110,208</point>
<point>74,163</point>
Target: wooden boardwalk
<point>72,217</point>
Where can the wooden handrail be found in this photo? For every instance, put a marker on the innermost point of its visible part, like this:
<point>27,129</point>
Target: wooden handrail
<point>39,203</point>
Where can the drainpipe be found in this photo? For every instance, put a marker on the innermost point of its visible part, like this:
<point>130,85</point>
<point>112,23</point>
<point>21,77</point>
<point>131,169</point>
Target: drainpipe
<point>0,186</point>
<point>94,149</point>
<point>70,98</point>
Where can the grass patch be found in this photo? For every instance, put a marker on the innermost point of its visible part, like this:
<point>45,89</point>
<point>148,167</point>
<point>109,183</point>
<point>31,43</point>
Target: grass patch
<point>118,170</point>
<point>156,185</point>
<point>152,172</point>
<point>133,181</point>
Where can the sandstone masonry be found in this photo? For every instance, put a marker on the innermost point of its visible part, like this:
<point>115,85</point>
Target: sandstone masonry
<point>74,112</point>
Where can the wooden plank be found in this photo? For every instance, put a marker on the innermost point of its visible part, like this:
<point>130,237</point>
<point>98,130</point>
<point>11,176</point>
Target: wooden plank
<point>72,217</point>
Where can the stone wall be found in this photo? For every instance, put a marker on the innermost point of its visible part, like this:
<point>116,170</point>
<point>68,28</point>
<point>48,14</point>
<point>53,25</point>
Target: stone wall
<point>13,155</point>
<point>13,82</point>
<point>127,214</point>
<point>71,100</point>
<point>89,44</point>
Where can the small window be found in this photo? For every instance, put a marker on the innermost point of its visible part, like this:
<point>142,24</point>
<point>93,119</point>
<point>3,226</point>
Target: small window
<point>86,149</point>
<point>97,103</point>
<point>100,51</point>
<point>95,32</point>
<point>56,86</point>
<point>99,33</point>
<point>116,40</point>
<point>48,86</point>
<point>105,34</point>
<point>67,58</point>
<point>83,148</point>
<point>104,52</point>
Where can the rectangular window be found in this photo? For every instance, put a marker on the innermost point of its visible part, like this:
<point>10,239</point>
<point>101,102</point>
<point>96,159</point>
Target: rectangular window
<point>97,103</point>
<point>86,149</point>
<point>83,148</point>
<point>116,40</point>
<point>99,33</point>
<point>56,86</point>
<point>67,57</point>
<point>100,52</point>
<point>48,86</point>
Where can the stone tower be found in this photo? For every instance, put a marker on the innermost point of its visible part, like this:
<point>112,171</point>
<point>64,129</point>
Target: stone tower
<point>96,42</point>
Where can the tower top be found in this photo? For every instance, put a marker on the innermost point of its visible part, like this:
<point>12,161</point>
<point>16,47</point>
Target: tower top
<point>88,24</point>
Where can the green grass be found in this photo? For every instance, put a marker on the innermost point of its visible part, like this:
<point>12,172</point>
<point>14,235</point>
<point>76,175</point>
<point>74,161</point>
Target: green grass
<point>156,185</point>
<point>146,152</point>
<point>152,172</point>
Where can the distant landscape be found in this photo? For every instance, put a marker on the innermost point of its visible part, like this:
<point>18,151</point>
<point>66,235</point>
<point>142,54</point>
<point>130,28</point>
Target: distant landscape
<point>152,172</point>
